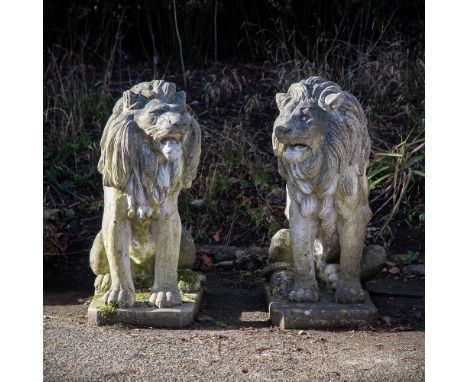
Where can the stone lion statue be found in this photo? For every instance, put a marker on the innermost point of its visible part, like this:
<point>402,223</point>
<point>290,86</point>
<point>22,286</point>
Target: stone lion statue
<point>320,138</point>
<point>150,149</point>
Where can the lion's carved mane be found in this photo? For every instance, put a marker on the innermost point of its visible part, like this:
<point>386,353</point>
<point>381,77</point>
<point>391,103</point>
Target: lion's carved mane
<point>128,159</point>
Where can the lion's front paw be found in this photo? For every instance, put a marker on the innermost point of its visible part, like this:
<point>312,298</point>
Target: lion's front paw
<point>305,292</point>
<point>165,299</point>
<point>124,298</point>
<point>102,283</point>
<point>349,292</point>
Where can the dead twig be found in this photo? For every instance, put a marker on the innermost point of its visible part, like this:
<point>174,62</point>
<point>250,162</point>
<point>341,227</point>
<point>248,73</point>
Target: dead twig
<point>180,44</point>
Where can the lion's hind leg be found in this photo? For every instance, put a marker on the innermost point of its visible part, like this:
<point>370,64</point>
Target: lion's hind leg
<point>100,265</point>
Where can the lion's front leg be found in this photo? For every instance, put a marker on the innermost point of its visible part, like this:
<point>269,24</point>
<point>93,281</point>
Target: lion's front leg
<point>116,235</point>
<point>303,231</point>
<point>165,293</point>
<point>352,233</point>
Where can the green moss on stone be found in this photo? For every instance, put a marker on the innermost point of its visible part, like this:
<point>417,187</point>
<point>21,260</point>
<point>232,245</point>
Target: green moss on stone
<point>188,280</point>
<point>108,309</point>
<point>188,298</point>
<point>142,295</point>
<point>97,296</point>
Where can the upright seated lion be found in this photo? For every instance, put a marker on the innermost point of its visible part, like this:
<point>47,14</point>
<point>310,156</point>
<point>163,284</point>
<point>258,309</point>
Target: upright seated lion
<point>150,150</point>
<point>320,138</point>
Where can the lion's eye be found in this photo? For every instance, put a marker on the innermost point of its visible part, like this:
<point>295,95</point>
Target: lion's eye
<point>306,113</point>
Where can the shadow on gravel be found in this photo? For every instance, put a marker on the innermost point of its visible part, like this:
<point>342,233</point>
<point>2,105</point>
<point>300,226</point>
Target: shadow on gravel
<point>55,298</point>
<point>235,299</point>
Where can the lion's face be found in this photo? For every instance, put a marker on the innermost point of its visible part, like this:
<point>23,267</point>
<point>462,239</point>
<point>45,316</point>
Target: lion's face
<point>167,125</point>
<point>300,128</point>
<point>150,146</point>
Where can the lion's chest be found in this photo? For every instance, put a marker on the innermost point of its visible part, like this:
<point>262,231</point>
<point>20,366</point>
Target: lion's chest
<point>143,241</point>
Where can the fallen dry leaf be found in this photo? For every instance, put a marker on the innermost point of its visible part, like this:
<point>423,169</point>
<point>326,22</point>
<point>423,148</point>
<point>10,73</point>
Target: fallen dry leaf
<point>206,262</point>
<point>241,255</point>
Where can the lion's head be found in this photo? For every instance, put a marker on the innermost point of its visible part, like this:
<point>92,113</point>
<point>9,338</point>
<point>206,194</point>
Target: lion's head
<point>150,145</point>
<point>321,140</point>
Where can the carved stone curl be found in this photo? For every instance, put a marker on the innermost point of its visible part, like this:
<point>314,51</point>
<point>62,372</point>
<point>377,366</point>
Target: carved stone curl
<point>150,149</point>
<point>320,138</point>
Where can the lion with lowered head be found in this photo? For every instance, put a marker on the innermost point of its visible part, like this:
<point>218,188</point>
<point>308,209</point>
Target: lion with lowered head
<point>150,151</point>
<point>320,138</point>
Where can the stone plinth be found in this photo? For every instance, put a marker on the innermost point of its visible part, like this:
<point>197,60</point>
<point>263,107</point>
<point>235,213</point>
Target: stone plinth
<point>325,314</point>
<point>142,314</point>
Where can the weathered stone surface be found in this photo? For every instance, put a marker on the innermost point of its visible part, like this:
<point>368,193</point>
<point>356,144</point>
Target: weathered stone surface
<point>281,283</point>
<point>143,314</point>
<point>280,247</point>
<point>372,260</point>
<point>150,149</point>
<point>324,314</point>
<point>188,251</point>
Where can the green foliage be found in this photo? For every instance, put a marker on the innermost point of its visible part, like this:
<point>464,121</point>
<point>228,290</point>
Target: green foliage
<point>246,275</point>
<point>394,173</point>
<point>409,257</point>
<point>414,217</point>
<point>250,279</point>
<point>108,309</point>
<point>188,279</point>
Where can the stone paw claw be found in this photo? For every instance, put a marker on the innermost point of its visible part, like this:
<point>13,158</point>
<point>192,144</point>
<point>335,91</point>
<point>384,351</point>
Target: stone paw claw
<point>165,299</point>
<point>122,297</point>
<point>102,283</point>
<point>304,295</point>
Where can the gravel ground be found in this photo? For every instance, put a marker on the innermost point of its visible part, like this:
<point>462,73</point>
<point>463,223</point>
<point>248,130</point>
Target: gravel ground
<point>233,341</point>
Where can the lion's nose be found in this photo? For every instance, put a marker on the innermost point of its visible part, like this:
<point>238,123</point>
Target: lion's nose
<point>178,122</point>
<point>282,130</point>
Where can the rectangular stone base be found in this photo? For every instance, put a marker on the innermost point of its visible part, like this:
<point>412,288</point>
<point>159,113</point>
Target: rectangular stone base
<point>141,314</point>
<point>325,314</point>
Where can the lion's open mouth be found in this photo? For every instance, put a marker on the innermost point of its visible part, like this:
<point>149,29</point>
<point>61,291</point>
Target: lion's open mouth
<point>296,153</point>
<point>297,147</point>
